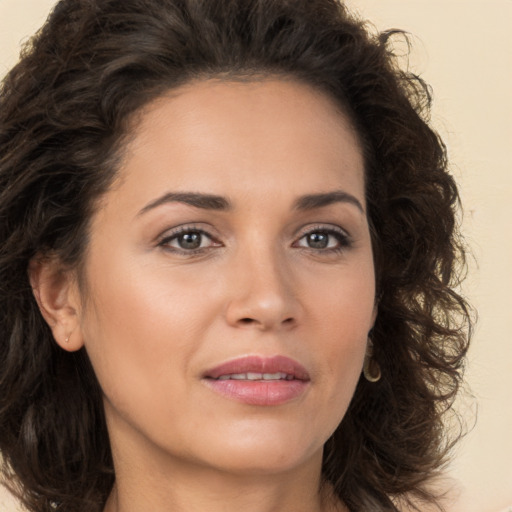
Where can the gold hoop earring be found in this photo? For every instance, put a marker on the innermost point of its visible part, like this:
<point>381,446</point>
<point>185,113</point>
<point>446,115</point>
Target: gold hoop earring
<point>371,368</point>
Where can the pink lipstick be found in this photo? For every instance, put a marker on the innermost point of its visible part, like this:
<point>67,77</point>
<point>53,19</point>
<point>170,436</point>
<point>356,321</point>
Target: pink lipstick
<point>256,380</point>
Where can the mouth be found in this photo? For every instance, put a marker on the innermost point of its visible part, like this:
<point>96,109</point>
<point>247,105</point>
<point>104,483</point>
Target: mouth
<point>256,380</point>
<point>259,368</point>
<point>257,376</point>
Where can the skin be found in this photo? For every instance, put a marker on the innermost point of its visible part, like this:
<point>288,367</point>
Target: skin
<point>156,315</point>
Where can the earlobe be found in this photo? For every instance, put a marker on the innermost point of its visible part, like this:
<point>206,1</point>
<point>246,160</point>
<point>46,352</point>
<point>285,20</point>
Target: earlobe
<point>56,292</point>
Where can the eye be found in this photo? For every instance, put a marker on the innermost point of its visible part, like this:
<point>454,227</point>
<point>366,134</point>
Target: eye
<point>188,240</point>
<point>324,239</point>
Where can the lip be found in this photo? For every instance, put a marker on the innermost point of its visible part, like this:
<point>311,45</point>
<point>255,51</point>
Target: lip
<point>259,392</point>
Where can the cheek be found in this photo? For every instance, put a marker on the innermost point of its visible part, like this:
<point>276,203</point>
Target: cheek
<point>141,332</point>
<point>343,317</point>
<point>343,302</point>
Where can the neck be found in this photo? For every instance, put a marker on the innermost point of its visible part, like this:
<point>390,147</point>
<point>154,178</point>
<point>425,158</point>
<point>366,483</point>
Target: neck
<point>221,494</point>
<point>151,483</point>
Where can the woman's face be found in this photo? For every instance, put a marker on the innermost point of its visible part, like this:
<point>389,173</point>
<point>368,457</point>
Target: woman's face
<point>230,278</point>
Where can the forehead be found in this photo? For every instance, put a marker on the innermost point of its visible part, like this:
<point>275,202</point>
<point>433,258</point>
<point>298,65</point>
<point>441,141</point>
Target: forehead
<point>214,135</point>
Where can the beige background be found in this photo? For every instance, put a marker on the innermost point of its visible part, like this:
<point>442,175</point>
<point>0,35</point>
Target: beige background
<point>464,49</point>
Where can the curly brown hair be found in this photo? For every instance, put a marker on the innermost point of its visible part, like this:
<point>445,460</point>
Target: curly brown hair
<point>64,118</point>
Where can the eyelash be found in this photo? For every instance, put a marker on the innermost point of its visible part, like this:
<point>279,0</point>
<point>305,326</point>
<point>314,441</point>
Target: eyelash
<point>181,231</point>
<point>343,240</point>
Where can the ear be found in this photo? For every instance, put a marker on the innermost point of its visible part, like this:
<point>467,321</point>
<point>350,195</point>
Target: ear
<point>369,342</point>
<point>56,292</point>
<point>374,315</point>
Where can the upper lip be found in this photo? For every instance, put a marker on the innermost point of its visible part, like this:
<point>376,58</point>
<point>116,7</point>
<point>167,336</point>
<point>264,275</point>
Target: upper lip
<point>259,364</point>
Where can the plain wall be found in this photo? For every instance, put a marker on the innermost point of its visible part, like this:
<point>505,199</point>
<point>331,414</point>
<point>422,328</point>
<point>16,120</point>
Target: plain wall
<point>464,49</point>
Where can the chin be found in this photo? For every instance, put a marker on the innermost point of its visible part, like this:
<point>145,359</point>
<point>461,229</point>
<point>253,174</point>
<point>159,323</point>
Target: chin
<point>273,464</point>
<point>263,452</point>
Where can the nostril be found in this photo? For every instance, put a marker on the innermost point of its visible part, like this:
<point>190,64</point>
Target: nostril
<point>250,321</point>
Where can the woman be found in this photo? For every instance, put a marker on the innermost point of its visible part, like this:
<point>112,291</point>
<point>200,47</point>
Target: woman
<point>228,258</point>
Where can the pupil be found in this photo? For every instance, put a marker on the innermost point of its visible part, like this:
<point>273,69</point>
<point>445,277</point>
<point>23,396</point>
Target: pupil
<point>190,241</point>
<point>318,240</point>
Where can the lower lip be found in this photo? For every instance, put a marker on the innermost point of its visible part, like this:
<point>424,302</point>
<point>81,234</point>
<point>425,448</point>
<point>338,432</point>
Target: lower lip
<point>259,392</point>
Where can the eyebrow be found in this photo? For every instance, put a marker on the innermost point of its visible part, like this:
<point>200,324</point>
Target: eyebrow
<point>195,199</point>
<point>219,203</point>
<point>312,201</point>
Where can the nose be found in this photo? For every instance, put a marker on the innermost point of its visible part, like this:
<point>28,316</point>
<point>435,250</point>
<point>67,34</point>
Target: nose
<point>262,293</point>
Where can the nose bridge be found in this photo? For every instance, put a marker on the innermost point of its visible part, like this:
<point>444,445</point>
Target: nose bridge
<point>262,290</point>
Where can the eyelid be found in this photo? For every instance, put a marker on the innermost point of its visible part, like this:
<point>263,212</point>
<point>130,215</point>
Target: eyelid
<point>344,238</point>
<point>173,233</point>
<point>333,228</point>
